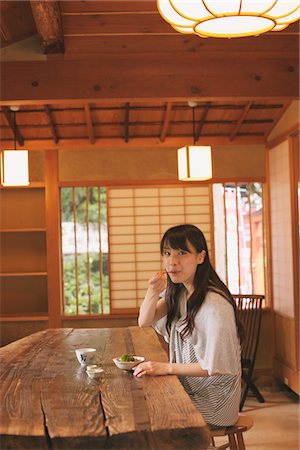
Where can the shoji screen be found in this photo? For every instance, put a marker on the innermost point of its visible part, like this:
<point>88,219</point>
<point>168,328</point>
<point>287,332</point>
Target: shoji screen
<point>137,218</point>
<point>282,251</point>
<point>284,228</point>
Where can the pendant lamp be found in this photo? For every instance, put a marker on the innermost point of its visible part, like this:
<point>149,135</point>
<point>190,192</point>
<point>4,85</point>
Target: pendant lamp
<point>14,163</point>
<point>194,161</point>
<point>229,18</point>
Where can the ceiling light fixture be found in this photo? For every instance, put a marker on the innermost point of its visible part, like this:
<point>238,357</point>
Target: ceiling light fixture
<point>229,18</point>
<point>14,163</point>
<point>194,161</point>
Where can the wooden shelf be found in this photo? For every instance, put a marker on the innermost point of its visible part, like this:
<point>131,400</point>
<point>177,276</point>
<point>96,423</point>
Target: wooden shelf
<point>22,209</point>
<point>24,274</point>
<point>23,318</point>
<point>23,253</point>
<point>32,185</point>
<point>23,294</point>
<point>23,264</point>
<point>23,230</point>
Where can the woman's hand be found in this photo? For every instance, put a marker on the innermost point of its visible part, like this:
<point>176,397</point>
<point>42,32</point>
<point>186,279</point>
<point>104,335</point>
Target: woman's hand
<point>151,368</point>
<point>158,282</point>
<point>153,307</point>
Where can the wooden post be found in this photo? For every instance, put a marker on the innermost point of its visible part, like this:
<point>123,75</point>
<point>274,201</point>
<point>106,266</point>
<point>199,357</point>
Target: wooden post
<point>53,239</point>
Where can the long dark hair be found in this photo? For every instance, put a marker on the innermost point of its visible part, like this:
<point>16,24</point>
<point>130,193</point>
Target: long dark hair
<point>206,278</point>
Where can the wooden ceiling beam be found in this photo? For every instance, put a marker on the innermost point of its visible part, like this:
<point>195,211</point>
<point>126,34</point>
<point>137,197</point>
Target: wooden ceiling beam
<point>146,107</point>
<point>89,123</point>
<point>239,122</point>
<point>166,123</point>
<point>126,122</point>
<point>13,126</point>
<point>202,120</point>
<point>51,123</point>
<point>138,142</point>
<point>160,77</point>
<point>141,123</point>
<point>47,19</point>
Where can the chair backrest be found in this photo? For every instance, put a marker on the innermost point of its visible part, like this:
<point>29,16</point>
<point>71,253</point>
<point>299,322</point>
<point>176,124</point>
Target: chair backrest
<point>249,313</point>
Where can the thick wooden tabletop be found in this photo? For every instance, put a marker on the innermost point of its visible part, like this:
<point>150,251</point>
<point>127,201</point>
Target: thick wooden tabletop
<point>48,401</point>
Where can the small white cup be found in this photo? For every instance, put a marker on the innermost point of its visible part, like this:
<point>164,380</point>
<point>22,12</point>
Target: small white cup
<point>85,355</point>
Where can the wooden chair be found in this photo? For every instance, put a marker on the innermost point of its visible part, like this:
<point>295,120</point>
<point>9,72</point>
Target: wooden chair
<point>234,434</point>
<point>249,313</point>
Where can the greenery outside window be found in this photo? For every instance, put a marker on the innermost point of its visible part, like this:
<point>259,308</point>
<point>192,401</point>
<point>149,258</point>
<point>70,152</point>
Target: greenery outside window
<point>84,251</point>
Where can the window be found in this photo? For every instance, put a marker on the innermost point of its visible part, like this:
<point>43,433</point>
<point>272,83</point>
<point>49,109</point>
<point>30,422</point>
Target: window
<point>126,224</point>
<point>84,251</point>
<point>138,217</point>
<point>239,236</point>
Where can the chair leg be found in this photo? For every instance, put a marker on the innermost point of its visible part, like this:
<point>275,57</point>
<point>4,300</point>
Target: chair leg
<point>248,383</point>
<point>221,447</point>
<point>256,392</point>
<point>232,442</point>
<point>243,396</point>
<point>240,440</point>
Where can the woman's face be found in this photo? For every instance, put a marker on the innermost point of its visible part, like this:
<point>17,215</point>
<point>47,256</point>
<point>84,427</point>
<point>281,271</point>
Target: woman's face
<point>181,265</point>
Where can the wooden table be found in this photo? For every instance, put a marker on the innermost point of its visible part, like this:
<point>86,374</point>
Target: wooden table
<point>47,400</point>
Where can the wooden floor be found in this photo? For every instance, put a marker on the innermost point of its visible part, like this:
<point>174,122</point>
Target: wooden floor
<point>276,422</point>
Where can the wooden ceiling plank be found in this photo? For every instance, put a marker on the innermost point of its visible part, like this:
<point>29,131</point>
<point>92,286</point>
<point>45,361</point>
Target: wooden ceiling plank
<point>51,123</point>
<point>202,120</point>
<point>164,78</point>
<point>151,24</point>
<point>89,123</point>
<point>13,126</point>
<point>16,21</point>
<point>284,47</point>
<point>114,24</point>
<point>240,121</point>
<point>90,6</point>
<point>126,122</point>
<point>166,123</point>
<point>47,18</point>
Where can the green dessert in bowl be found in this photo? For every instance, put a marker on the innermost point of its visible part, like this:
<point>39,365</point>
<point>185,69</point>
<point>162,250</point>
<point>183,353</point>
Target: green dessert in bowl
<point>128,362</point>
<point>126,358</point>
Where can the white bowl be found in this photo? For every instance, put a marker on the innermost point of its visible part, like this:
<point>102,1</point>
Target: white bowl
<point>128,365</point>
<point>94,372</point>
<point>85,355</point>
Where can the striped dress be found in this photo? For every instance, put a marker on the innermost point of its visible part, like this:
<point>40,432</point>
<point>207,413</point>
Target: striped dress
<point>214,344</point>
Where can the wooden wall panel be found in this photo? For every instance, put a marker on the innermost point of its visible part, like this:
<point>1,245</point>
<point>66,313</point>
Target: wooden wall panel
<point>285,359</point>
<point>115,164</point>
<point>289,119</point>
<point>156,163</point>
<point>285,349</point>
<point>240,161</point>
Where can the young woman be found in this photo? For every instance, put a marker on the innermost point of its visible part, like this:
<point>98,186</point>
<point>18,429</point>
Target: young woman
<point>196,316</point>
